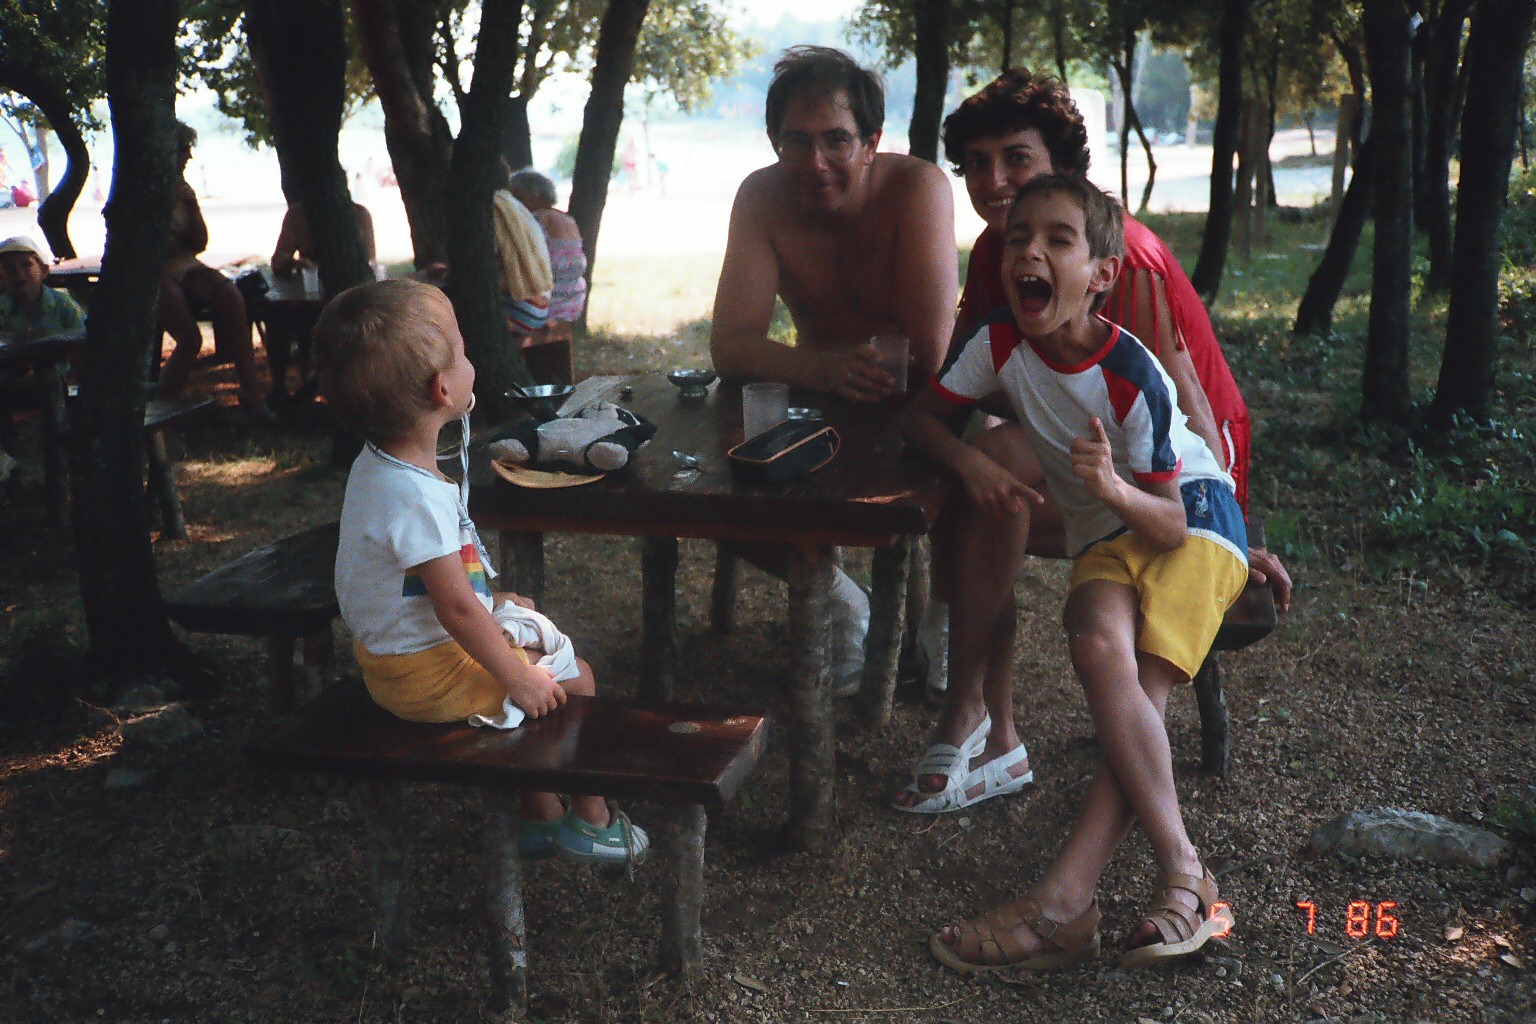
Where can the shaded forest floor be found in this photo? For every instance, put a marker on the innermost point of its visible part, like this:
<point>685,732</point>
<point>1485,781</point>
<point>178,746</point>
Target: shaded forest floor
<point>142,883</point>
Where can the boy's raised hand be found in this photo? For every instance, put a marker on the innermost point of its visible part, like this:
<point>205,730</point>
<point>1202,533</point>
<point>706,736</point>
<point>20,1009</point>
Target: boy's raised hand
<point>1093,462</point>
<point>536,692</point>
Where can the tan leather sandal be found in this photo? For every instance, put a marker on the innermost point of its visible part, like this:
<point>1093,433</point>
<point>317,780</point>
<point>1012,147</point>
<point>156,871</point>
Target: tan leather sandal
<point>988,943</point>
<point>1182,930</point>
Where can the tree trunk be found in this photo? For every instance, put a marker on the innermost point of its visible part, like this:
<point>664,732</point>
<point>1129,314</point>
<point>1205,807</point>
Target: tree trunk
<point>1133,120</point>
<point>1384,377</point>
<point>1229,109</point>
<point>53,213</point>
<point>397,40</point>
<point>1006,23</point>
<point>1059,39</point>
<point>600,121</point>
<point>118,588</point>
<point>1315,313</point>
<point>517,136</point>
<point>475,283</point>
<point>1501,30</point>
<point>299,48</point>
<point>1442,63</point>
<point>931,48</point>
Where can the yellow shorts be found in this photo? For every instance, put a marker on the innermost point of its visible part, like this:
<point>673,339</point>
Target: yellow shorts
<point>440,684</point>
<point>1184,592</point>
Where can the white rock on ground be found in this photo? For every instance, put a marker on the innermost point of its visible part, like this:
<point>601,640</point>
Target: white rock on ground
<point>1410,834</point>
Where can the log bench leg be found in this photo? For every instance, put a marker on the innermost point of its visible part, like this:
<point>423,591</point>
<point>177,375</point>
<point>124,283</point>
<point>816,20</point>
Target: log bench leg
<point>319,651</point>
<point>887,623</point>
<point>812,799</point>
<point>722,596</point>
<point>382,805</point>
<point>281,673</point>
<point>658,618</point>
<point>509,932</point>
<point>162,487</point>
<point>681,844</point>
<point>1213,716</point>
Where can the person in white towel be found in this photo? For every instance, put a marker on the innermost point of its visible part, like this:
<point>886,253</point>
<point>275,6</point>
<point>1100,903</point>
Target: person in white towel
<point>435,643</point>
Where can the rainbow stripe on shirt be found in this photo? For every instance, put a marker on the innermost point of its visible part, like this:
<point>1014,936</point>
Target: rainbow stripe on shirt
<point>479,582</point>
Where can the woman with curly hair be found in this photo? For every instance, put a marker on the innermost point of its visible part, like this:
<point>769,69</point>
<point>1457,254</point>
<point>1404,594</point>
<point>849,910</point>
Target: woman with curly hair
<point>1016,128</point>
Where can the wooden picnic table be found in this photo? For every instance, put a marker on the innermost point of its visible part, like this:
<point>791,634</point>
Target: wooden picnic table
<point>45,356</point>
<point>874,493</point>
<point>75,273</point>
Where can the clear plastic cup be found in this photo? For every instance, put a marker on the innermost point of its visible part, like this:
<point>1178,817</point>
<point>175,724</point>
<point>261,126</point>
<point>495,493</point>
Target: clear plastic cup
<point>311,277</point>
<point>763,405</point>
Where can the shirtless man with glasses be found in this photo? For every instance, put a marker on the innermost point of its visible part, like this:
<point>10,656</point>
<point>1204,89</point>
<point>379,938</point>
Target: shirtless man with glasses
<point>856,242</point>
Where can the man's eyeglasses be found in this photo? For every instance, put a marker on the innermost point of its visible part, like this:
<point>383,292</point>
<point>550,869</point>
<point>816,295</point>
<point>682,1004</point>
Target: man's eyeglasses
<point>837,146</point>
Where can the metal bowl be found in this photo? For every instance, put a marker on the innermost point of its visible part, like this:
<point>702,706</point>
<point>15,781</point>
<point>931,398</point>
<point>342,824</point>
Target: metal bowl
<point>540,400</point>
<point>692,383</point>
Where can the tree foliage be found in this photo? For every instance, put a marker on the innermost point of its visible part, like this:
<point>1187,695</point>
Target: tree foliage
<point>60,44</point>
<point>217,55</point>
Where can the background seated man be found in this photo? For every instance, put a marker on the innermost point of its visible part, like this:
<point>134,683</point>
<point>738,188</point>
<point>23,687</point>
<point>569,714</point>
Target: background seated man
<point>293,252</point>
<point>188,286</point>
<point>523,255</point>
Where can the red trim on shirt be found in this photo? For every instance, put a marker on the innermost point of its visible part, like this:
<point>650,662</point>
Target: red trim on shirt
<point>1122,394</point>
<point>949,396</point>
<point>1162,476</point>
<point>1086,364</point>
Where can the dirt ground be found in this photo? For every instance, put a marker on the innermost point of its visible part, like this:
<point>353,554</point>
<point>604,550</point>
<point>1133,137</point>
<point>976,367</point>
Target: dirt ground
<point>147,884</point>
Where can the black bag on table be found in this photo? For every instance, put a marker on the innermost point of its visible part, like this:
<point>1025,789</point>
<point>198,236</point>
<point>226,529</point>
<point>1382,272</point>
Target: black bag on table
<point>785,451</point>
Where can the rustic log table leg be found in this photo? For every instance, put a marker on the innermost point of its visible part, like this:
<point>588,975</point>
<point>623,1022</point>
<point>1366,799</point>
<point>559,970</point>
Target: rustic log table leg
<point>522,564</point>
<point>509,950</point>
<point>1213,716</point>
<point>681,844</point>
<point>812,799</point>
<point>887,624</point>
<point>722,597</point>
<point>658,618</point>
<point>382,805</point>
<point>919,586</point>
<point>162,486</point>
<point>50,386</point>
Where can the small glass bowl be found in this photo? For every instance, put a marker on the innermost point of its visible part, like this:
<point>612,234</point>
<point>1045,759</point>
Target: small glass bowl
<point>692,384</point>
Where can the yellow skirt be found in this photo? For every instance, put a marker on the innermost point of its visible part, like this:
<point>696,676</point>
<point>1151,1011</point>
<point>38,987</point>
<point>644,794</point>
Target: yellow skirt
<point>440,684</point>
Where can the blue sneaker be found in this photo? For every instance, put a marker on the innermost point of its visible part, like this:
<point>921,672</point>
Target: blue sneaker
<point>618,844</point>
<point>536,839</point>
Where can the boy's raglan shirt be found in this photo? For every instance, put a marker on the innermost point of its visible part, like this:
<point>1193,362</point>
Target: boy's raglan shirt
<point>1122,384</point>
<point>395,516</point>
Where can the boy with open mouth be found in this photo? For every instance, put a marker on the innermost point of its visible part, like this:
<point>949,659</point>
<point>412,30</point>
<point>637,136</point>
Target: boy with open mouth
<point>1159,553</point>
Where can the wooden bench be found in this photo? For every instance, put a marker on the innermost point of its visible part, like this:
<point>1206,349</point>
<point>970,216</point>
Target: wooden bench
<point>548,354</point>
<point>1251,618</point>
<point>686,756</point>
<point>284,592</point>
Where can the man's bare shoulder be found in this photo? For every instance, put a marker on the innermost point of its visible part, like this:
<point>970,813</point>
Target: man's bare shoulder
<point>761,190</point>
<point>906,177</point>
